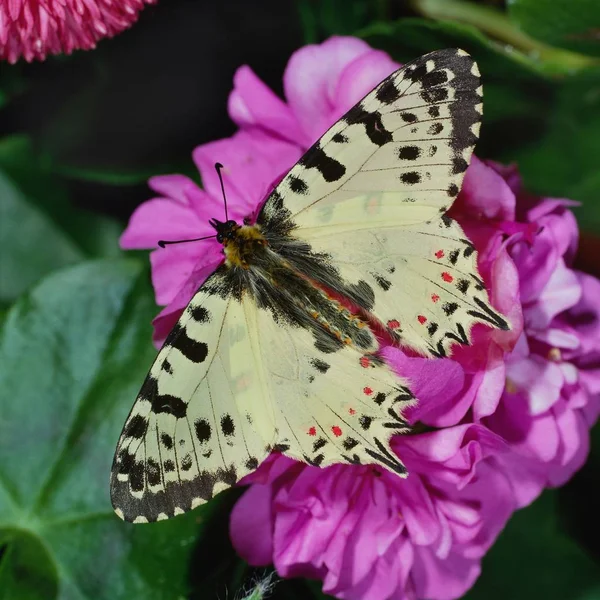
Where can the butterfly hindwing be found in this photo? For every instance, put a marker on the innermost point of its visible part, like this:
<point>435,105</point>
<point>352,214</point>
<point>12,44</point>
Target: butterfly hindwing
<point>339,405</point>
<point>202,419</point>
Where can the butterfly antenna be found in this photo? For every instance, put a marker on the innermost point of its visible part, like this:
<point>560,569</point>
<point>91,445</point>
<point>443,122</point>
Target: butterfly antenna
<point>218,167</point>
<point>163,243</point>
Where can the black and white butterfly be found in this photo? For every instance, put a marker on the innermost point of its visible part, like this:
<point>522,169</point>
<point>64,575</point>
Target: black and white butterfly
<point>275,350</point>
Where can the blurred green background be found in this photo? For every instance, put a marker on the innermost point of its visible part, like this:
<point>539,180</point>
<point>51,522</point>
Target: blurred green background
<point>80,135</point>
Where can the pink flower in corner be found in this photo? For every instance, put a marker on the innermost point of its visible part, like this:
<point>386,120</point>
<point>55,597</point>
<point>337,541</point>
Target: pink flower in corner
<point>32,29</point>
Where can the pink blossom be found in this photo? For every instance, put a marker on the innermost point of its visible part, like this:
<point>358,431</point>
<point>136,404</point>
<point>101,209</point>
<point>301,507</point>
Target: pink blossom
<point>32,29</point>
<point>495,424</point>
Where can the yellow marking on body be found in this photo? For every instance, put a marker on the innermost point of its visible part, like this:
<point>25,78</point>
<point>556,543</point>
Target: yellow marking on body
<point>244,244</point>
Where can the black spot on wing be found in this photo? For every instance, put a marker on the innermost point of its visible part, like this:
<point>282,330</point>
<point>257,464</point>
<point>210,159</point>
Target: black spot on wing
<point>434,111</point>
<point>387,92</point>
<point>227,425</point>
<point>162,403</point>
<point>409,152</point>
<point>435,129</point>
<point>434,95</point>
<point>382,282</point>
<point>349,443</point>
<point>191,349</point>
<point>463,285</point>
<point>297,185</point>
<point>166,366</point>
<point>408,117</point>
<point>315,157</point>
<point>487,314</point>
<point>203,430</point>
<point>339,138</point>
<point>166,440</point>
<point>453,256</point>
<point>153,472</point>
<point>200,314</point>
<point>251,463</point>
<point>137,427</point>
<point>374,128</point>
<point>320,365</point>
<point>411,177</point>
<point>318,444</point>
<point>449,307</point>
<point>379,398</point>
<point>186,462</point>
<point>136,476</point>
<point>169,466</point>
<point>459,165</point>
<point>434,78</point>
<point>453,190</point>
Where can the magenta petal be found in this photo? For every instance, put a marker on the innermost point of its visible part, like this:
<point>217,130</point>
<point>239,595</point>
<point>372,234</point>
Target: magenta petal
<point>163,323</point>
<point>251,524</point>
<point>485,194</point>
<point>252,103</point>
<point>435,383</point>
<point>538,380</point>
<point>160,219</point>
<point>171,268</point>
<point>252,161</point>
<point>561,292</point>
<point>310,79</point>
<point>176,187</point>
<point>358,78</point>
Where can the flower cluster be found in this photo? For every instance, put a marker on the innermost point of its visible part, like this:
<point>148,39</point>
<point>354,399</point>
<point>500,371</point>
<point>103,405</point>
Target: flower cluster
<point>499,421</point>
<point>32,29</point>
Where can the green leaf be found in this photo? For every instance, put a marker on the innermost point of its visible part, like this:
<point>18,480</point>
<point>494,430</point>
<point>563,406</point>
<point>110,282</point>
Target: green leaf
<point>39,226</point>
<point>563,161</point>
<point>572,24</point>
<point>31,243</point>
<point>534,558</point>
<point>73,352</point>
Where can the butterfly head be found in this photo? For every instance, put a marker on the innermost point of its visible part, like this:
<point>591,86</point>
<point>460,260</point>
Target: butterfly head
<point>226,231</point>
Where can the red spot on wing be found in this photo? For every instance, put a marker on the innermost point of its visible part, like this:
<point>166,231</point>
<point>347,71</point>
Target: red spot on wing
<point>364,361</point>
<point>439,254</point>
<point>393,324</point>
<point>312,431</point>
<point>434,297</point>
<point>368,391</point>
<point>336,431</point>
<point>351,411</point>
<point>422,319</point>
<point>447,277</point>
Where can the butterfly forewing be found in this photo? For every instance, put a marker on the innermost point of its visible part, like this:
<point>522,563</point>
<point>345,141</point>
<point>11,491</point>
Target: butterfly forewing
<point>203,418</point>
<point>398,156</point>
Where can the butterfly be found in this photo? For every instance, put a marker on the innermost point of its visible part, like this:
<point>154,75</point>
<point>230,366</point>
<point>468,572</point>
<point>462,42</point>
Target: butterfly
<point>278,349</point>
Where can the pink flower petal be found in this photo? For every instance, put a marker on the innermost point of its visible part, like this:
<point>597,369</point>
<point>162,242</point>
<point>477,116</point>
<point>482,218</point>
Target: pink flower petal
<point>252,103</point>
<point>161,219</point>
<point>310,81</point>
<point>251,524</point>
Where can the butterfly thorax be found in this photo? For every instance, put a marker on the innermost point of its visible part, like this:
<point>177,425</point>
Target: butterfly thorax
<point>240,242</point>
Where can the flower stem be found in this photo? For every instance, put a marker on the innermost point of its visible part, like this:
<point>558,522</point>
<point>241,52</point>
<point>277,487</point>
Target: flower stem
<point>497,25</point>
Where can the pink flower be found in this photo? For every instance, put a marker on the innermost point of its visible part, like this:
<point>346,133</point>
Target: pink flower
<point>499,421</point>
<point>32,29</point>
